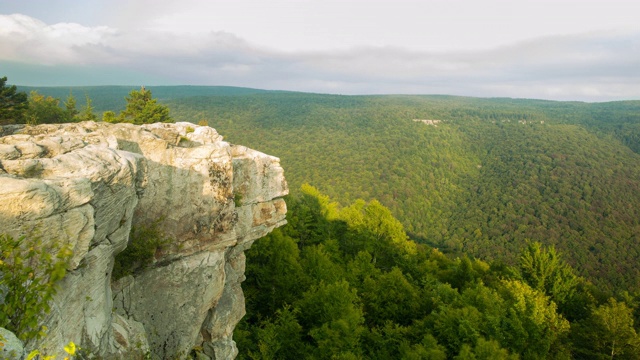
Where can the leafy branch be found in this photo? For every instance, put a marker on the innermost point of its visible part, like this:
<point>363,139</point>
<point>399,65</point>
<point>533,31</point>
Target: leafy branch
<point>29,273</point>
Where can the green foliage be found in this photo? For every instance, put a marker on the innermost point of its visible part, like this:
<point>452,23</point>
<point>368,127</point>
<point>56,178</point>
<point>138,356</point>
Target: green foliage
<point>608,333</point>
<point>44,110</point>
<point>237,199</point>
<point>13,103</point>
<point>333,316</point>
<point>531,326</point>
<point>319,264</point>
<point>391,297</point>
<point>491,350</point>
<point>87,114</point>
<point>40,108</point>
<point>375,230</point>
<point>456,327</point>
<point>70,107</point>
<point>142,108</point>
<point>72,114</point>
<point>29,273</point>
<point>324,280</point>
<point>492,179</point>
<point>280,339</point>
<point>110,117</point>
<point>144,242</point>
<point>544,270</point>
<point>277,276</point>
<point>492,175</point>
<point>110,97</point>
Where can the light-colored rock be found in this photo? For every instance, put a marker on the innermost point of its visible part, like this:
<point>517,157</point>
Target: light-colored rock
<point>10,346</point>
<point>87,184</point>
<point>170,299</point>
<point>130,338</point>
<point>217,330</point>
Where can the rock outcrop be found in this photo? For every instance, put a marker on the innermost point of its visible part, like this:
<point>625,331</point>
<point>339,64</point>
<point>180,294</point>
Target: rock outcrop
<point>87,184</point>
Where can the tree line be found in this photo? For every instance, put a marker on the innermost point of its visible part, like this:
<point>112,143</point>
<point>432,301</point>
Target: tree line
<point>19,108</point>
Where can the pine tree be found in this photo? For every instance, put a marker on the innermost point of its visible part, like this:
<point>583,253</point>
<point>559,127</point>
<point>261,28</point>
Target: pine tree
<point>70,107</point>
<point>143,109</point>
<point>13,104</point>
<point>87,112</point>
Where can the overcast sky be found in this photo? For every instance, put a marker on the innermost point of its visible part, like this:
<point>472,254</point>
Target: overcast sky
<point>560,49</point>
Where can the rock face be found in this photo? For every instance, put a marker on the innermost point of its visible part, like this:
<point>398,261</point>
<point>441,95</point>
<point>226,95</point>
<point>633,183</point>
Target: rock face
<point>12,346</point>
<point>87,184</point>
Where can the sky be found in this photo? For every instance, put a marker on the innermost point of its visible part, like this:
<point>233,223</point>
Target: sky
<point>560,50</point>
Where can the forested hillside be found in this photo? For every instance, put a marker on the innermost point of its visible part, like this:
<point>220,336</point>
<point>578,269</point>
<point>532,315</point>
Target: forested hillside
<point>486,177</point>
<point>454,228</point>
<point>481,178</point>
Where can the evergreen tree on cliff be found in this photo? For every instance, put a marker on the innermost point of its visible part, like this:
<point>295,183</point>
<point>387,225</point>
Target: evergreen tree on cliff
<point>143,109</point>
<point>13,104</point>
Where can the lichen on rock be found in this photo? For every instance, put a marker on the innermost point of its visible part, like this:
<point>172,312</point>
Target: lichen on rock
<point>86,184</point>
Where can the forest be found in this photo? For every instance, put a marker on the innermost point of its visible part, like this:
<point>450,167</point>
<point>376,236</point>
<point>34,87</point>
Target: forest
<point>433,227</point>
<point>346,282</point>
<point>491,175</point>
<point>485,178</point>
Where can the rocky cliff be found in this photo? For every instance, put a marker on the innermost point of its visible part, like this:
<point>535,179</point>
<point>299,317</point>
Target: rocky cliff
<point>87,184</point>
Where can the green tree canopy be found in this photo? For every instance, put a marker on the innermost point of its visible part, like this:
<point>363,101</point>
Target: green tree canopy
<point>44,110</point>
<point>341,283</point>
<point>608,333</point>
<point>70,106</point>
<point>333,315</point>
<point>544,270</point>
<point>87,113</point>
<point>13,104</point>
<point>142,108</point>
<point>109,116</point>
<point>531,325</point>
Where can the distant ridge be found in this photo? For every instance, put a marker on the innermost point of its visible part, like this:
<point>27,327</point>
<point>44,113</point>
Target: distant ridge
<point>110,97</point>
<point>494,173</point>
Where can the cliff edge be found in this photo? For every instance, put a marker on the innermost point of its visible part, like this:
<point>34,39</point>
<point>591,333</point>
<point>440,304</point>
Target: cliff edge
<point>87,184</point>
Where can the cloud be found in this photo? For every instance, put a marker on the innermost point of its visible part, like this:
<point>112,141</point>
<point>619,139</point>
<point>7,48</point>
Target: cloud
<point>592,66</point>
<point>587,66</point>
<point>23,38</point>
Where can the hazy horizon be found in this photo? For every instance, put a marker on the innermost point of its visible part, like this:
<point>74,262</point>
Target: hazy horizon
<point>554,50</point>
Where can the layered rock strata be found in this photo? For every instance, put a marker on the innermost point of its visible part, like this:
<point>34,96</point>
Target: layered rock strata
<point>87,184</point>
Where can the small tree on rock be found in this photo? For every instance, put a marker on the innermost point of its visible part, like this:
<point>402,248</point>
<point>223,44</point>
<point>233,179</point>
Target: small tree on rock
<point>143,109</point>
<point>109,116</point>
<point>44,110</point>
<point>13,104</point>
<point>70,107</point>
<point>87,113</point>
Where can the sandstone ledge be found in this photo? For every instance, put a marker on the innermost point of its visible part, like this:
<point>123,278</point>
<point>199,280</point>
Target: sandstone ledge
<point>86,184</point>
